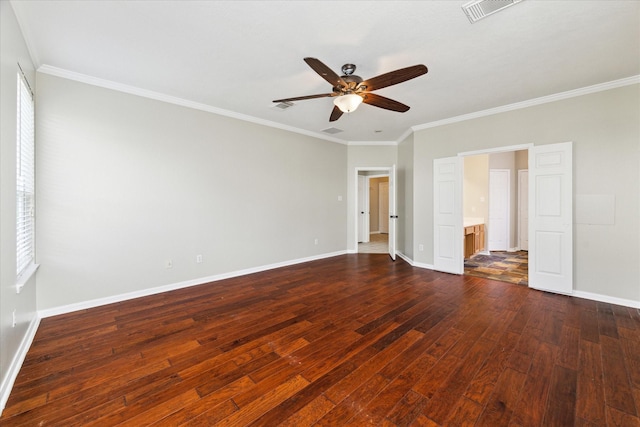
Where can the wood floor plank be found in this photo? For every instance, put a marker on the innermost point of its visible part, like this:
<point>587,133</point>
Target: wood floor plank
<point>617,387</point>
<point>590,405</point>
<point>443,402</point>
<point>529,411</point>
<point>349,340</point>
<point>464,413</point>
<point>561,404</point>
<point>502,403</point>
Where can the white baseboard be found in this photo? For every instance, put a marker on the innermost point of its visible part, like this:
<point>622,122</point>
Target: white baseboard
<point>406,258</point>
<point>16,362</point>
<point>413,263</point>
<point>577,294</point>
<point>171,287</point>
<point>605,298</point>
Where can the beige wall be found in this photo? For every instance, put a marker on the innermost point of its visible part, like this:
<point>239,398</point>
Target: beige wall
<point>405,196</point>
<point>605,131</point>
<point>374,203</point>
<point>126,183</point>
<point>475,197</point>
<point>13,50</point>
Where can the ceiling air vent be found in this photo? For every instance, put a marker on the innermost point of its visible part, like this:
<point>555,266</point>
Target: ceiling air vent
<point>282,105</point>
<point>332,131</point>
<point>478,9</point>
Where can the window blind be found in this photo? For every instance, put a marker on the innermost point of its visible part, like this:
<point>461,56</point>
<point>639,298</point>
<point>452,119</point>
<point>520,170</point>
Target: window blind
<point>25,174</point>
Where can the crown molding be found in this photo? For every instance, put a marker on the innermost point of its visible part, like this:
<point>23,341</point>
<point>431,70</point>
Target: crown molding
<point>132,90</point>
<point>26,32</point>
<point>83,78</point>
<point>372,143</point>
<point>532,102</point>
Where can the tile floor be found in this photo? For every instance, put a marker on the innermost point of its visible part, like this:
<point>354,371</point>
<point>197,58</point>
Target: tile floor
<point>378,244</point>
<point>512,267</point>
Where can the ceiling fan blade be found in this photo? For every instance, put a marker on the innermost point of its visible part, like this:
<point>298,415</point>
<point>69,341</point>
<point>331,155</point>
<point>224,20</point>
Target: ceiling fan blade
<point>386,103</point>
<point>325,72</point>
<point>301,98</point>
<point>335,114</point>
<point>394,77</point>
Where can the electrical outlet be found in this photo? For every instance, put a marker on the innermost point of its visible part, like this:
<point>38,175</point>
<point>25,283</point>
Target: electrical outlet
<point>168,264</point>
<point>13,319</point>
<point>199,259</point>
<point>421,247</point>
<point>315,242</point>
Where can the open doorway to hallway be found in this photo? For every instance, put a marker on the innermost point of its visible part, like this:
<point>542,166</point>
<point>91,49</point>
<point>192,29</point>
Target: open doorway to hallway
<point>495,219</point>
<point>373,224</point>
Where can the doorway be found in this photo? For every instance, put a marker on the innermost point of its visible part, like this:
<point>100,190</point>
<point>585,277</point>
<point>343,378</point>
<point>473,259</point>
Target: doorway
<point>492,204</point>
<point>376,210</point>
<point>373,233</point>
<point>550,237</point>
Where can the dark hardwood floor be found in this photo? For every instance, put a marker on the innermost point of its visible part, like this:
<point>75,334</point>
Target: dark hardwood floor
<point>350,340</point>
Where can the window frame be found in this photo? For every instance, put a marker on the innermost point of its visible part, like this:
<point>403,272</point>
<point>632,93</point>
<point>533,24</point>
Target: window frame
<point>25,178</point>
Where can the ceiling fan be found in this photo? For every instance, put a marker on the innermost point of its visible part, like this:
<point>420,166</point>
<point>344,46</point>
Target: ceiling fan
<point>350,90</point>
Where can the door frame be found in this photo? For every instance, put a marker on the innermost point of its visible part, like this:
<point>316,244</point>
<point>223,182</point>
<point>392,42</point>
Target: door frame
<point>382,171</point>
<point>521,173</point>
<point>460,242</point>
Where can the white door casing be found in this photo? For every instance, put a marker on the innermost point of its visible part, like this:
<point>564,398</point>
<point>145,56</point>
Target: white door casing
<point>447,213</point>
<point>499,212</point>
<point>551,218</point>
<point>523,209</point>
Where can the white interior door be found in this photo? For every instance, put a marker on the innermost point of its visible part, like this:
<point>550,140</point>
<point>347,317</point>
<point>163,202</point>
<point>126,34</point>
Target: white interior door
<point>499,215</point>
<point>393,213</point>
<point>448,236</point>
<point>523,209</point>
<point>551,218</point>
<point>383,207</point>
<point>363,209</point>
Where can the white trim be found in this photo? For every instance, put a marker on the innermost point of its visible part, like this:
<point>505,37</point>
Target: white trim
<point>575,294</point>
<point>532,102</point>
<point>495,150</point>
<point>426,266</point>
<point>171,287</point>
<point>413,263</point>
<point>358,169</point>
<point>25,276</point>
<point>372,143</point>
<point>17,361</point>
<point>405,258</point>
<point>404,136</point>
<point>71,75</point>
<point>26,34</point>
<point>605,298</point>
<point>94,81</point>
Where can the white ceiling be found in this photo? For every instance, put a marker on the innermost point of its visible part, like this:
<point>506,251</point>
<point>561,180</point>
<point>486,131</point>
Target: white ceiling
<point>238,56</point>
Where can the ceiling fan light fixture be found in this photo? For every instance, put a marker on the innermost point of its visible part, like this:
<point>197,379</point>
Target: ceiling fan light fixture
<point>348,103</point>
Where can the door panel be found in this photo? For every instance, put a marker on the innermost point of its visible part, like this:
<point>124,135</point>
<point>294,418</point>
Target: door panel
<point>551,218</point>
<point>363,232</point>
<point>499,180</point>
<point>393,213</point>
<point>448,236</point>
